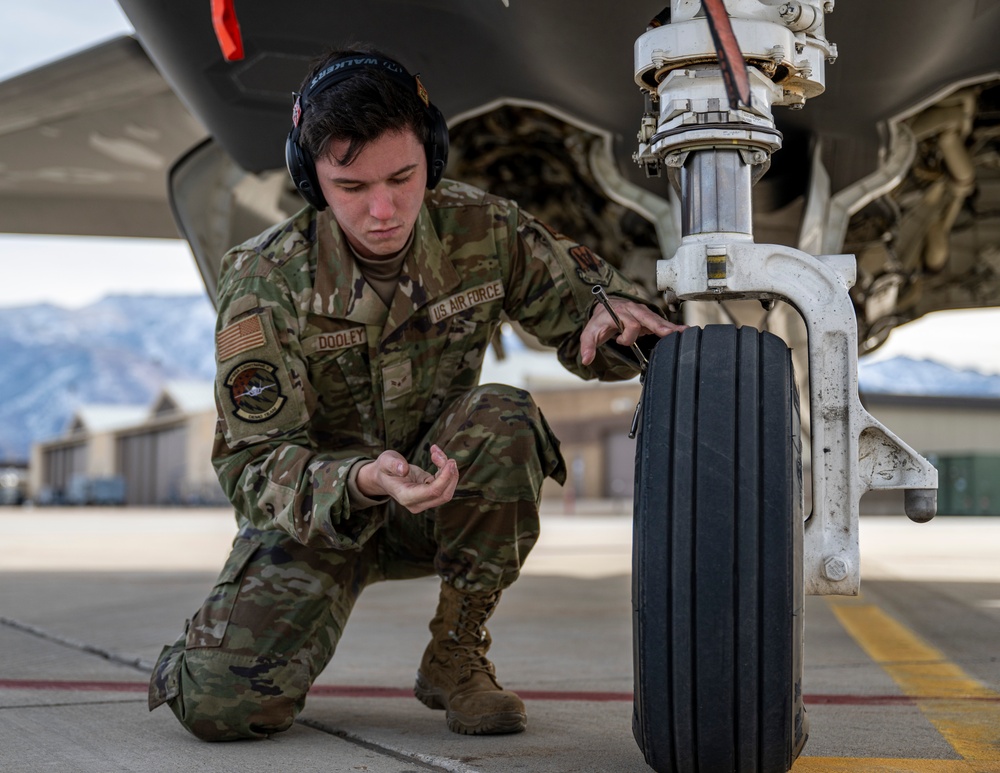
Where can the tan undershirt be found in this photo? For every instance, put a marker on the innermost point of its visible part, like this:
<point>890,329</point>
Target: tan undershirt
<point>383,273</point>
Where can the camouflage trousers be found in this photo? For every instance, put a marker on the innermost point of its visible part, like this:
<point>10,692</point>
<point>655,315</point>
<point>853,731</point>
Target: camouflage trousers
<point>270,625</point>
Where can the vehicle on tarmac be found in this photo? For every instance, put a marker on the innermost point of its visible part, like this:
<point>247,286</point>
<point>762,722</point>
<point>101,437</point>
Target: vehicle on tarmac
<point>13,485</point>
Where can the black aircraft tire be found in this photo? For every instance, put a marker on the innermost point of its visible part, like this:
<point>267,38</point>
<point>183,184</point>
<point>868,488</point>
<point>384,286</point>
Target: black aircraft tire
<point>717,565</point>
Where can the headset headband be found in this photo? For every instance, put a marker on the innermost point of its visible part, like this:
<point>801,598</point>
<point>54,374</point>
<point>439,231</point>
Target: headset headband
<point>353,63</point>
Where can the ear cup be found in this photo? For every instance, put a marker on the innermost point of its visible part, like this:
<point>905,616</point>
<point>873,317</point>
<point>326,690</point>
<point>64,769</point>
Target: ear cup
<point>302,170</point>
<point>437,147</point>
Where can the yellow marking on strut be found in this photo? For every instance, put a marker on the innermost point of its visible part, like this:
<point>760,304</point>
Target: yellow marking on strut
<point>863,765</point>
<point>949,697</point>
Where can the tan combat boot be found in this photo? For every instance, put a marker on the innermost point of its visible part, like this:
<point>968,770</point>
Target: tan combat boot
<point>455,674</point>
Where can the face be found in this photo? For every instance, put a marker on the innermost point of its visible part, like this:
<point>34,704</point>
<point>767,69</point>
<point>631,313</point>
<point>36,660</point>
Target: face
<point>377,197</point>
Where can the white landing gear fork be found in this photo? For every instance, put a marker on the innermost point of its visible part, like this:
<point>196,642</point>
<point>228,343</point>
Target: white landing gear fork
<point>714,147</point>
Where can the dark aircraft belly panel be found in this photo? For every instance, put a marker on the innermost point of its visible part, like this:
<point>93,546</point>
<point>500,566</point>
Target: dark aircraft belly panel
<point>572,54</point>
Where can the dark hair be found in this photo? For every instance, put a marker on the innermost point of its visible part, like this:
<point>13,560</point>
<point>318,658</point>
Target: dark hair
<point>359,109</point>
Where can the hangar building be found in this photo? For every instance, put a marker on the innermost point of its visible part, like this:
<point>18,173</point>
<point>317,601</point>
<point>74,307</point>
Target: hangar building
<point>160,454</point>
<point>135,455</point>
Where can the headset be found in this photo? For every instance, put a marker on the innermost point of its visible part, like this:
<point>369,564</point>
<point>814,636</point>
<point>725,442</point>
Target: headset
<point>300,163</point>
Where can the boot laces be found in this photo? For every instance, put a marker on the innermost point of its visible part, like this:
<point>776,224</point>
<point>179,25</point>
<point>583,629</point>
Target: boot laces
<point>470,639</point>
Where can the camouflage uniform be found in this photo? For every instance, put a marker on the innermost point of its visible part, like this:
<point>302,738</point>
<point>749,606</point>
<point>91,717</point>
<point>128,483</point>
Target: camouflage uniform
<point>316,375</point>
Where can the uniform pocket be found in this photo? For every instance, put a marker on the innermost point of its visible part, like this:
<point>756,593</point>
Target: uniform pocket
<point>553,463</point>
<point>208,626</point>
<point>456,370</point>
<point>345,412</point>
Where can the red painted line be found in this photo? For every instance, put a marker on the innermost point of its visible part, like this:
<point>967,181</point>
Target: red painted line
<point>321,690</point>
<point>72,686</point>
<point>366,691</point>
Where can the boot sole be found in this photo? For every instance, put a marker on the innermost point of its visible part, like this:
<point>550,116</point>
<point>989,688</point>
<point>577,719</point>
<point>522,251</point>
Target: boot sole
<point>492,724</point>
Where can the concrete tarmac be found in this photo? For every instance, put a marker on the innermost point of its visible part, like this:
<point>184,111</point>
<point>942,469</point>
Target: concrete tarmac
<point>903,679</point>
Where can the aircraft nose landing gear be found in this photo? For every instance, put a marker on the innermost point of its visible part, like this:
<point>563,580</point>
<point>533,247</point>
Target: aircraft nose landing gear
<point>722,551</point>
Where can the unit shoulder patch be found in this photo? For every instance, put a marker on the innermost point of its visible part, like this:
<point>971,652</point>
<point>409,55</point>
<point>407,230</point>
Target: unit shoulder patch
<point>590,268</point>
<point>254,391</point>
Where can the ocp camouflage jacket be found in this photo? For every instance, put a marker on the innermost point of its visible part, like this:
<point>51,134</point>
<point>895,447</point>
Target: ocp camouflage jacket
<point>315,374</point>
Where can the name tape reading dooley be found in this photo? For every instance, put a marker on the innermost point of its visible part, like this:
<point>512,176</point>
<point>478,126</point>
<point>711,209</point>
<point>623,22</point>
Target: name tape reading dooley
<point>335,341</point>
<point>467,299</point>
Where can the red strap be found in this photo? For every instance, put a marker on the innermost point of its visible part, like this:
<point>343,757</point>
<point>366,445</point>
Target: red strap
<point>227,29</point>
<point>734,66</point>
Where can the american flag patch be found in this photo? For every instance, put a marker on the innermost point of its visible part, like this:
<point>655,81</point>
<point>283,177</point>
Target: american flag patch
<point>239,337</point>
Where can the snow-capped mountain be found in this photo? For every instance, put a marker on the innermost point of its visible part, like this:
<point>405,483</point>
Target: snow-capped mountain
<point>120,350</point>
<point>123,349</point>
<point>906,376</point>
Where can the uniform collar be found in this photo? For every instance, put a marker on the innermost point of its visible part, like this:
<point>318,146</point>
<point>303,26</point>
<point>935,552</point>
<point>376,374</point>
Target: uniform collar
<point>427,274</point>
<point>340,290</point>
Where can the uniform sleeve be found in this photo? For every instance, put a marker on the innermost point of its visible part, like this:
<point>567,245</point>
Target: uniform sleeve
<point>263,454</point>
<point>550,293</point>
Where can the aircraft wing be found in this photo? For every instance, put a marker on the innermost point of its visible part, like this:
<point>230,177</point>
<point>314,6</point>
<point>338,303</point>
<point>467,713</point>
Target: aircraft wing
<point>86,142</point>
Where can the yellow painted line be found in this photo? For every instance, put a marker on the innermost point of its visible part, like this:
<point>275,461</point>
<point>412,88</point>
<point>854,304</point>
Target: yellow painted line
<point>855,765</point>
<point>949,697</point>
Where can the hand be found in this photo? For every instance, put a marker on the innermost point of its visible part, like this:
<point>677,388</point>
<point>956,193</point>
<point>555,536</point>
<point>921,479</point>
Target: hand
<point>415,489</point>
<point>637,319</point>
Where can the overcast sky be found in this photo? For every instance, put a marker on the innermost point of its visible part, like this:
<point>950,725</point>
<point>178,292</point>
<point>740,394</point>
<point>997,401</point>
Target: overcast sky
<point>40,31</point>
<point>69,271</point>
<point>74,272</point>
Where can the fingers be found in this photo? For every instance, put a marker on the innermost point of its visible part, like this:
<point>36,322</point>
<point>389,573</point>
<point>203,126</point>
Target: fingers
<point>599,328</point>
<point>395,465</point>
<point>587,350</point>
<point>438,456</point>
<point>637,320</point>
<point>434,493</point>
<point>442,488</point>
<point>416,489</point>
<point>646,322</point>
